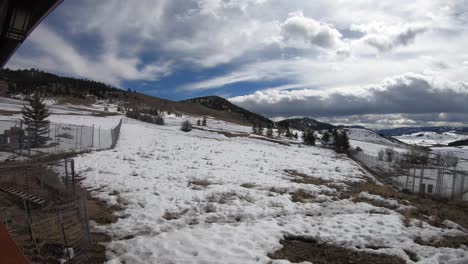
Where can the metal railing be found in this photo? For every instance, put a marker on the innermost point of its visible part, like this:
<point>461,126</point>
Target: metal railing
<point>60,138</point>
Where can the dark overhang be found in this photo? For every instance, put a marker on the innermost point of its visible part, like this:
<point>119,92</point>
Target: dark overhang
<point>18,18</point>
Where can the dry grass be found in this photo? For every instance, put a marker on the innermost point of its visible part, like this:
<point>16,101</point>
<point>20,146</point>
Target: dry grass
<point>408,216</point>
<point>302,178</point>
<point>298,249</point>
<point>199,183</point>
<point>302,196</point>
<point>171,215</point>
<point>122,200</point>
<point>442,242</point>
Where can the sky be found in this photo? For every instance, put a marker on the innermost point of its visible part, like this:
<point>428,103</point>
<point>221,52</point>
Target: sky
<point>361,62</point>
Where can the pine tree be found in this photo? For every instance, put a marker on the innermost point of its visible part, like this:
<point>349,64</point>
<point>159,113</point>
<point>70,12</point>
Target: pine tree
<point>186,126</point>
<point>296,136</point>
<point>198,122</point>
<point>269,131</point>
<point>345,141</point>
<point>341,142</point>
<point>308,137</point>
<point>204,121</point>
<point>326,138</point>
<point>280,131</point>
<point>255,129</point>
<point>260,129</point>
<point>34,117</point>
<point>288,133</point>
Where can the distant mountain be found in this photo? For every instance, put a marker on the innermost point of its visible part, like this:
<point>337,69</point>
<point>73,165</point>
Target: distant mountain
<point>221,104</point>
<point>304,123</point>
<point>393,132</point>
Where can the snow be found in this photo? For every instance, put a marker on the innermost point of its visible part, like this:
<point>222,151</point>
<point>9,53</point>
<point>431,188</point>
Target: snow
<point>366,135</point>
<point>374,148</point>
<point>168,218</point>
<point>431,138</point>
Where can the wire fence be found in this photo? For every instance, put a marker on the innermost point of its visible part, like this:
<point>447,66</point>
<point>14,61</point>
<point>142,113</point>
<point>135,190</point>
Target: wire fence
<point>428,178</point>
<point>59,138</point>
<point>45,211</point>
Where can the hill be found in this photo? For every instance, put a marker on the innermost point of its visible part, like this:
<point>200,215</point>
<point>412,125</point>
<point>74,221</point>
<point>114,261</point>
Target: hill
<point>304,123</point>
<point>28,81</point>
<point>86,92</point>
<point>412,130</point>
<point>221,104</point>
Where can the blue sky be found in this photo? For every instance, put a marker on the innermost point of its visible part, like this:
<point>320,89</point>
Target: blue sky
<point>352,62</point>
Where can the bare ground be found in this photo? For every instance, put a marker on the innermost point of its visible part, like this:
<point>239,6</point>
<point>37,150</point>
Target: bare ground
<point>297,250</point>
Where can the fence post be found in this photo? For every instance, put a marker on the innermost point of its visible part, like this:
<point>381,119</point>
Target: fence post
<point>66,178</point>
<point>86,220</point>
<point>72,165</point>
<point>81,138</point>
<point>64,237</point>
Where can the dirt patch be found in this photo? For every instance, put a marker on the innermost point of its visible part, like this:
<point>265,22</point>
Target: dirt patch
<point>433,211</point>
<point>8,113</point>
<point>299,177</point>
<point>297,250</point>
<point>439,242</point>
<point>225,133</point>
<point>99,212</point>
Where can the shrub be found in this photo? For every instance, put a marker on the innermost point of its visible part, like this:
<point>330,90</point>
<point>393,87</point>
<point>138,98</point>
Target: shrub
<point>146,118</point>
<point>135,114</point>
<point>159,120</point>
<point>186,126</point>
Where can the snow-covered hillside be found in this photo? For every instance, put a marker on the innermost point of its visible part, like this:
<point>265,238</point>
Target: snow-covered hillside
<point>207,196</point>
<point>369,136</point>
<point>431,138</point>
<point>200,197</point>
<point>371,142</point>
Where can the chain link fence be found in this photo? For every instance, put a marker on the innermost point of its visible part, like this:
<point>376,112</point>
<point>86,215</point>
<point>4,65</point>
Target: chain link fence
<point>60,138</point>
<point>427,178</point>
<point>45,211</point>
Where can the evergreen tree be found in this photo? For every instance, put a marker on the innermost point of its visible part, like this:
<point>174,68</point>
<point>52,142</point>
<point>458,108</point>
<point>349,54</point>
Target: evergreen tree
<point>34,117</point>
<point>341,142</point>
<point>260,129</point>
<point>255,129</point>
<point>269,131</point>
<point>296,136</point>
<point>204,121</point>
<point>308,137</point>
<point>288,133</point>
<point>159,120</point>
<point>279,131</point>
<point>198,122</point>
<point>326,138</point>
<point>186,126</point>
